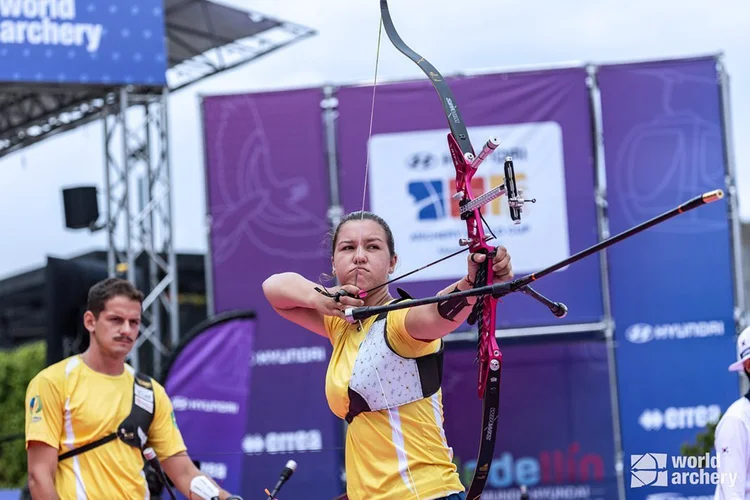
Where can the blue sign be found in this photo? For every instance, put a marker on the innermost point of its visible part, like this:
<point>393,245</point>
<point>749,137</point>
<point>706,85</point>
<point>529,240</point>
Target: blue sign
<point>84,41</point>
<point>672,285</point>
<point>554,434</point>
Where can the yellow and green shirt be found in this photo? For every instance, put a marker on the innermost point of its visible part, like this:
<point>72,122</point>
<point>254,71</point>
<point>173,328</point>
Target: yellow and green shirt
<point>69,405</point>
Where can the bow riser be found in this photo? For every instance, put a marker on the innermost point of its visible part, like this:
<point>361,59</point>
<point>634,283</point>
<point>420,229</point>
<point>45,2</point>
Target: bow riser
<point>488,353</point>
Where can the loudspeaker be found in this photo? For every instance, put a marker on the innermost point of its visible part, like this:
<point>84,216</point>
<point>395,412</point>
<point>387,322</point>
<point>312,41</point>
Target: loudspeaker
<point>81,207</point>
<point>67,284</point>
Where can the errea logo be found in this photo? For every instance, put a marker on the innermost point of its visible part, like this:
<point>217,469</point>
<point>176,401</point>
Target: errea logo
<point>679,418</point>
<point>283,442</point>
<point>641,333</point>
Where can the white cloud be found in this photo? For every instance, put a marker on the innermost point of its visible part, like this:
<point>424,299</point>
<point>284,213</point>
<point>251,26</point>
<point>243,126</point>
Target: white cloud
<point>465,36</point>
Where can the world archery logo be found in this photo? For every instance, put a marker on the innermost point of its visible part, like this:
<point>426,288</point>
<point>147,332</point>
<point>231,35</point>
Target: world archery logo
<point>649,469</point>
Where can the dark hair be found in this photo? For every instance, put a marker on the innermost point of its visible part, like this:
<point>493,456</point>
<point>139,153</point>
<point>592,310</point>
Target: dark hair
<point>359,215</point>
<point>109,288</point>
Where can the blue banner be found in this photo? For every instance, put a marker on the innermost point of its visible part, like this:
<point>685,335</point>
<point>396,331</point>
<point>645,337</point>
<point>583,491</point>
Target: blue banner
<point>554,431</point>
<point>671,286</point>
<point>86,42</point>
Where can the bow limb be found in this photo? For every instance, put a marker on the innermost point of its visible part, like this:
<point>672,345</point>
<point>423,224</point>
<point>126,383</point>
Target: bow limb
<point>463,156</point>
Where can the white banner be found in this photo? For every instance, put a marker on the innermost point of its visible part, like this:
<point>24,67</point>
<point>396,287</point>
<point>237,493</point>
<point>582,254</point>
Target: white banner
<point>412,180</point>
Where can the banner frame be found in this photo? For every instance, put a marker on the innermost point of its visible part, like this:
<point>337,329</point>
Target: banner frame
<point>603,233</point>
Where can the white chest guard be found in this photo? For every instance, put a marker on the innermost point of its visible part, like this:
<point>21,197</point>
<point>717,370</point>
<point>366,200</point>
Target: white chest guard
<point>382,379</point>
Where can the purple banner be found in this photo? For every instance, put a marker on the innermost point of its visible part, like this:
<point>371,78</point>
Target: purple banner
<point>267,188</point>
<point>554,431</point>
<point>663,135</point>
<point>543,120</point>
<point>208,382</point>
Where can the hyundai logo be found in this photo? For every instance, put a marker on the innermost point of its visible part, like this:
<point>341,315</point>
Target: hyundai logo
<point>639,333</point>
<point>422,161</point>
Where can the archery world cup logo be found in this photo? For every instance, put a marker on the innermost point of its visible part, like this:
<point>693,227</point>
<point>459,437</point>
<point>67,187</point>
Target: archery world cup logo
<point>648,469</point>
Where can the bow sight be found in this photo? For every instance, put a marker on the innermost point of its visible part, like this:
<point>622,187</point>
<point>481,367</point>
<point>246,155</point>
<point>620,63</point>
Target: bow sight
<point>508,187</point>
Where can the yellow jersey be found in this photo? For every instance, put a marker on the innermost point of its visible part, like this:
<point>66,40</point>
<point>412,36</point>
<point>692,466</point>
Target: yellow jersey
<point>69,405</point>
<point>398,453</point>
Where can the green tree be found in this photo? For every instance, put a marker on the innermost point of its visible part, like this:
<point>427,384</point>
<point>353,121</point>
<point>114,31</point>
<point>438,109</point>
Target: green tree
<point>704,441</point>
<point>17,368</point>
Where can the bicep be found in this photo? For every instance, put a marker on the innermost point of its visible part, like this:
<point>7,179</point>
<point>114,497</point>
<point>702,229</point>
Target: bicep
<point>41,458</point>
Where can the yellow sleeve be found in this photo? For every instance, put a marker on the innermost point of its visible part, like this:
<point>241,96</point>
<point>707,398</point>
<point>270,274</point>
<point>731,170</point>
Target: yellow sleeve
<point>164,436</point>
<point>334,326</point>
<point>44,410</point>
<point>404,344</point>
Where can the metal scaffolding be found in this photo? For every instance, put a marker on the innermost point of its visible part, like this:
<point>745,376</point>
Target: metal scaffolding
<point>139,214</point>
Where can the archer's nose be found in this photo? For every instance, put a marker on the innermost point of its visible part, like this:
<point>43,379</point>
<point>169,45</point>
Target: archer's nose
<point>360,257</point>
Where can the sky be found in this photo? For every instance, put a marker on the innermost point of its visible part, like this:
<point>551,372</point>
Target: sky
<point>472,35</point>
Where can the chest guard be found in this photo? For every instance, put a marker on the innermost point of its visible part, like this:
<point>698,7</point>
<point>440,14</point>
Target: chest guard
<point>382,379</point>
<point>134,429</point>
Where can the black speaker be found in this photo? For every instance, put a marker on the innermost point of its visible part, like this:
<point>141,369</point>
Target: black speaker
<point>67,285</point>
<point>81,207</point>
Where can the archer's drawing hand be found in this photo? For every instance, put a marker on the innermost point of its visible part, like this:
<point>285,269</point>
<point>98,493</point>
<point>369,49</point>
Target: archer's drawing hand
<point>329,307</point>
<point>501,267</point>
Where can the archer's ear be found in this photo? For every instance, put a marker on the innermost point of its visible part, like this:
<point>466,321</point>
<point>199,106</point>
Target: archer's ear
<point>89,321</point>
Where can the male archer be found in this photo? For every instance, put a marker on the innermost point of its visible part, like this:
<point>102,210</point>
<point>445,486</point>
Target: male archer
<point>89,416</point>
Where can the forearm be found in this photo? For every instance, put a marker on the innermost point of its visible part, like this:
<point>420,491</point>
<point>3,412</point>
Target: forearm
<point>290,291</point>
<point>181,470</point>
<point>183,485</point>
<point>462,311</point>
<point>434,321</point>
<point>42,487</point>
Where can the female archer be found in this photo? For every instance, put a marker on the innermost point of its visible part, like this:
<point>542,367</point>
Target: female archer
<point>384,373</point>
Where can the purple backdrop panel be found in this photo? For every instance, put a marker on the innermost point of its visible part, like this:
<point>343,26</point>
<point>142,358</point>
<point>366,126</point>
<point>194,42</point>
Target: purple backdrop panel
<point>554,426</point>
<point>543,120</point>
<point>209,382</point>
<point>267,199</point>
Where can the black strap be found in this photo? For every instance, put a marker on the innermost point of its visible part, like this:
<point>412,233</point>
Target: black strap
<point>87,447</point>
